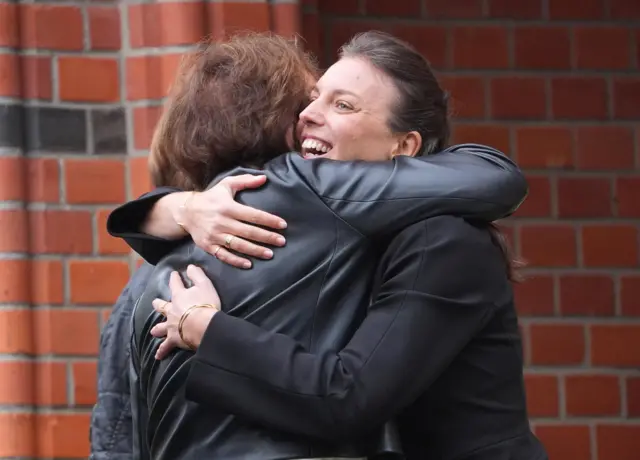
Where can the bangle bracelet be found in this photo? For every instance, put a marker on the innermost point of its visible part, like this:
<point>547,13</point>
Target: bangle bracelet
<point>185,315</point>
<point>183,210</point>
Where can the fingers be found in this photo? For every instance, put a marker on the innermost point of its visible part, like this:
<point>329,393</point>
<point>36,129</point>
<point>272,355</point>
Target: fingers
<point>175,284</point>
<point>255,216</point>
<point>165,348</point>
<point>245,247</point>
<point>198,276</point>
<point>160,306</point>
<point>254,233</point>
<point>160,330</point>
<point>244,181</point>
<point>229,258</point>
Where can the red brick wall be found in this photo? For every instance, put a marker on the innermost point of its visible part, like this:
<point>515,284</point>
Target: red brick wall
<point>553,82</point>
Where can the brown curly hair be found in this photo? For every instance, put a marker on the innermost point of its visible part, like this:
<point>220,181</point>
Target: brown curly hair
<point>233,103</point>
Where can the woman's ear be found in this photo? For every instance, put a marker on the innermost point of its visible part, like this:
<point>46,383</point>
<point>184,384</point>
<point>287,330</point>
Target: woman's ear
<point>408,144</point>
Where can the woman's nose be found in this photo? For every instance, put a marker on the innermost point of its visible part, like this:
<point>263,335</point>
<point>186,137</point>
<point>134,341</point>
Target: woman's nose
<point>311,115</point>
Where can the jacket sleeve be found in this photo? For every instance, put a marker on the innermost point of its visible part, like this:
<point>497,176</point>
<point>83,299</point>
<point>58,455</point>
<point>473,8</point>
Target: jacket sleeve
<point>468,180</point>
<point>126,220</point>
<point>438,290</point>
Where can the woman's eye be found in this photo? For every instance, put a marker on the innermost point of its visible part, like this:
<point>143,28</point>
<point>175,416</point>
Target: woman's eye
<point>342,106</point>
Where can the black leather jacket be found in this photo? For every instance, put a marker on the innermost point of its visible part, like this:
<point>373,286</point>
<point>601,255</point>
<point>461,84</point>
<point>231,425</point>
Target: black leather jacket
<point>338,214</point>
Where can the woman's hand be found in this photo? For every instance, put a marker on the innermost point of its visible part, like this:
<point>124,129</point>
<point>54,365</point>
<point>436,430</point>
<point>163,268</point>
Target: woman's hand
<point>218,223</point>
<point>201,293</point>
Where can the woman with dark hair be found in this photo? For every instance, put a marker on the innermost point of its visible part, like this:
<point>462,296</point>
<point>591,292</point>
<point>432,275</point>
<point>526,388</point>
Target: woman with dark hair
<point>443,288</point>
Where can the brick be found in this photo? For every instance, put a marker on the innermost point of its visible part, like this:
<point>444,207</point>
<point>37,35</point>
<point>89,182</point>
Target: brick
<point>84,382</point>
<point>47,282</point>
<point>63,435</point>
<point>548,245</point>
<point>10,77</point>
<point>9,35</point>
<point>36,77</point>
<point>626,98</point>
<point>584,197</point>
<point>602,48</point>
<point>534,296</point>
<point>618,442</point>
<point>604,147</point>
<point>482,47</point>
<point>494,135</point>
<point>166,24</point>
<point>88,79</point>
<point>468,97</point>
<point>579,98</point>
<point>565,441</point>
<point>341,31</point>
<point>339,7</point>
<point>12,179</point>
<point>538,203</point>
<point>285,19</point>
<point>627,196</point>
<point>576,9</point>
<point>51,27</point>
<point>610,245</point>
<point>66,332</point>
<point>406,8</point>
<point>17,432</point>
<point>227,18</point>
<point>60,232</point>
<point>630,295</point>
<point>97,282</point>
<point>15,385</point>
<point>14,281</point>
<point>508,9</point>
<point>150,77</point>
<point>107,244</point>
<point>139,176</point>
<point>588,295</point>
<point>15,230</point>
<point>94,181</point>
<point>592,395</point>
<point>542,395</point>
<point>557,344</point>
<point>144,123</point>
<point>432,42</point>
<point>16,333</point>
<point>615,345</point>
<point>446,9</point>
<point>50,379</point>
<point>633,396</point>
<point>624,9</point>
<point>542,48</point>
<point>44,179</point>
<point>518,98</point>
<point>104,27</point>
<point>544,147</point>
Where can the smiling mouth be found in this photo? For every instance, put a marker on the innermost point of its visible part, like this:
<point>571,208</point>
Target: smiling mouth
<point>314,148</point>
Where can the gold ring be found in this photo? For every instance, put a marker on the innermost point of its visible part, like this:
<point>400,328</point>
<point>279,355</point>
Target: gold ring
<point>227,240</point>
<point>163,310</point>
<point>215,253</point>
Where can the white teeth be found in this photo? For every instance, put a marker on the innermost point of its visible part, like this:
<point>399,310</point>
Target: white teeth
<point>315,145</point>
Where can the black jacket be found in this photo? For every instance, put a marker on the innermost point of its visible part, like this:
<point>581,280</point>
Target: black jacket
<point>337,214</point>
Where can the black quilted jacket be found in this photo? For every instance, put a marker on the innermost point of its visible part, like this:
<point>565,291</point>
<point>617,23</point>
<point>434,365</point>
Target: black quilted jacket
<point>111,423</point>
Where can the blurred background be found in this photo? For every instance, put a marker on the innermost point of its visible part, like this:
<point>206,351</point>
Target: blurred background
<point>554,83</point>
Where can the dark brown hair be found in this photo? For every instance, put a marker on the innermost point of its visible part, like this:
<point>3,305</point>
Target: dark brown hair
<point>422,106</point>
<point>233,103</point>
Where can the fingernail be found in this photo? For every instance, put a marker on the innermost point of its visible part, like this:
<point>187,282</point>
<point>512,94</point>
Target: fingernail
<point>283,224</point>
<point>247,265</point>
<point>280,240</point>
<point>268,253</point>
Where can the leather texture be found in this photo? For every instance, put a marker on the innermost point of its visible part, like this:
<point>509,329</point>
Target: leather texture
<point>338,213</point>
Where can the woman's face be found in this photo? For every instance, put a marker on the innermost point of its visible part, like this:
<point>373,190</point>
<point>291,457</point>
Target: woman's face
<point>347,116</point>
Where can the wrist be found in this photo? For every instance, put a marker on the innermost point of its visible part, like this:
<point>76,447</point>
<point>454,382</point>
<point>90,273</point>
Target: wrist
<point>196,324</point>
<point>179,209</point>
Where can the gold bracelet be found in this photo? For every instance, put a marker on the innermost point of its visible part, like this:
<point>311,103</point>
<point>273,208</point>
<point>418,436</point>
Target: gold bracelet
<point>183,210</point>
<point>184,317</point>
